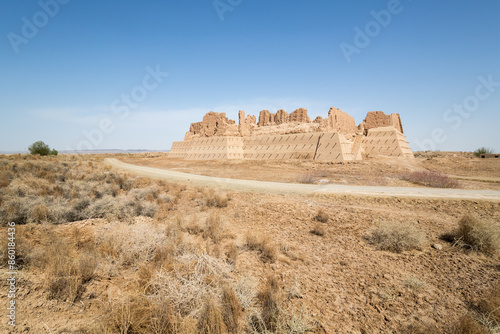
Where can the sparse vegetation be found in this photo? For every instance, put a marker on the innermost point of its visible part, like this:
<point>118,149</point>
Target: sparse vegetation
<point>307,178</point>
<point>322,216</point>
<point>431,178</point>
<point>397,237</point>
<point>231,309</point>
<point>58,192</point>
<point>210,321</point>
<point>215,199</point>
<point>267,248</point>
<point>482,150</point>
<point>414,284</point>
<point>157,258</point>
<point>318,229</point>
<point>478,234</point>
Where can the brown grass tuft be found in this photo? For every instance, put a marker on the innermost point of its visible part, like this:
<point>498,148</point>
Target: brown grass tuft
<point>322,216</point>
<point>40,213</point>
<point>467,325</point>
<point>231,309</point>
<point>489,306</point>
<point>213,199</point>
<point>318,229</point>
<point>269,298</point>
<point>431,178</point>
<point>267,248</point>
<point>480,235</point>
<point>397,237</point>
<point>232,253</point>
<point>307,178</point>
<point>210,321</point>
<point>214,229</point>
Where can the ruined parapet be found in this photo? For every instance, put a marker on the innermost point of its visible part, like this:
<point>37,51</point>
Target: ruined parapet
<point>213,124</point>
<point>378,119</point>
<point>266,118</point>
<point>342,122</point>
<point>300,116</point>
<point>245,125</point>
<point>281,117</point>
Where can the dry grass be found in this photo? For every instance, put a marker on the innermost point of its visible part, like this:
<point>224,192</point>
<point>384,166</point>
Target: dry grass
<point>489,309</point>
<point>479,234</point>
<point>318,229</point>
<point>322,216</point>
<point>231,309</point>
<point>397,237</point>
<point>232,253</point>
<point>65,189</point>
<point>171,275</point>
<point>214,228</point>
<point>431,178</point>
<point>214,199</point>
<point>307,178</point>
<point>269,298</point>
<point>414,284</point>
<point>267,248</point>
<point>210,320</point>
<point>467,325</point>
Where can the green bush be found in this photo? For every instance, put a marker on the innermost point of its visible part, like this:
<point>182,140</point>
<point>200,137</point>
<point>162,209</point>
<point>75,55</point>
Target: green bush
<point>41,148</point>
<point>482,150</point>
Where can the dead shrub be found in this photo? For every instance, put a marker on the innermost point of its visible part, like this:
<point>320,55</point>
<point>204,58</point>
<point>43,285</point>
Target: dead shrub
<point>130,315</point>
<point>131,244</point>
<point>231,309</point>
<point>267,248</point>
<point>213,199</point>
<point>40,213</point>
<point>318,229</point>
<point>87,264</point>
<point>163,319</point>
<point>397,237</point>
<point>269,299</point>
<point>193,226</point>
<point>431,178</point>
<point>210,321</point>
<point>467,325</point>
<point>414,284</point>
<point>489,306</point>
<point>480,235</point>
<point>213,228</point>
<point>245,289</point>
<point>307,178</point>
<point>232,253</point>
<point>322,216</point>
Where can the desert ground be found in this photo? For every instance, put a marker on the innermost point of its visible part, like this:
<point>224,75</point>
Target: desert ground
<point>101,250</point>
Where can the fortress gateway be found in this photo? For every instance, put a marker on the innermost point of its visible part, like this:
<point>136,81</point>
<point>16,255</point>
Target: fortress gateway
<point>294,136</point>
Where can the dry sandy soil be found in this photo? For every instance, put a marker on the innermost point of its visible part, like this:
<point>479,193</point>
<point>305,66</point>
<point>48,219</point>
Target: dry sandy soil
<point>472,173</point>
<point>339,282</point>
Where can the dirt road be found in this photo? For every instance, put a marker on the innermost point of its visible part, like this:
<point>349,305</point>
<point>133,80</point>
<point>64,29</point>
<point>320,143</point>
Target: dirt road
<point>294,188</point>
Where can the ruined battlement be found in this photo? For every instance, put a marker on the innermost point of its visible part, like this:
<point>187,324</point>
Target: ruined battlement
<point>282,135</point>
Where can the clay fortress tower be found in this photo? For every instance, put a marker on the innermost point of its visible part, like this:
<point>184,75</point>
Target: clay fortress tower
<point>294,136</point>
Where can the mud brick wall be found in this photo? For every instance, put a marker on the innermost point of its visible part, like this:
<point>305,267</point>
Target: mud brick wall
<point>386,141</point>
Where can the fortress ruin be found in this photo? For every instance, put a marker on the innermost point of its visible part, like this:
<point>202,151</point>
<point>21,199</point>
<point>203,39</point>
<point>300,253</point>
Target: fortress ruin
<point>293,136</point>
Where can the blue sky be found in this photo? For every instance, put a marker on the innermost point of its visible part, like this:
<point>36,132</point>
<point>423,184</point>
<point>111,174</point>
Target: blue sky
<point>67,67</point>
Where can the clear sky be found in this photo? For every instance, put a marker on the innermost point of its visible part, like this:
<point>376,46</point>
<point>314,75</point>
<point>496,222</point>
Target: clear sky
<point>134,74</point>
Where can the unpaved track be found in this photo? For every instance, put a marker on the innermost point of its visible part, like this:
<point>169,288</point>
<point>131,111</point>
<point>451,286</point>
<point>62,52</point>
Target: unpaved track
<point>294,188</point>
